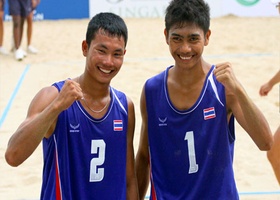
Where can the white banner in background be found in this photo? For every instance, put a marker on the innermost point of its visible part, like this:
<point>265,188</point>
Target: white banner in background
<point>156,8</point>
<point>250,8</point>
<point>129,8</point>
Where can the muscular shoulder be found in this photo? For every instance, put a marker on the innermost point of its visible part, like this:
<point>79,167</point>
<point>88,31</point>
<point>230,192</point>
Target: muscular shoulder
<point>43,98</point>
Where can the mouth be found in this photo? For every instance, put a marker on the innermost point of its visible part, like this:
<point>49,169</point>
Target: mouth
<point>105,71</point>
<point>185,57</point>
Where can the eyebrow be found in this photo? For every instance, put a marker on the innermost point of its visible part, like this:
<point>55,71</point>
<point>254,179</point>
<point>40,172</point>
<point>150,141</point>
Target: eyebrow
<point>175,34</point>
<point>190,35</point>
<point>105,47</point>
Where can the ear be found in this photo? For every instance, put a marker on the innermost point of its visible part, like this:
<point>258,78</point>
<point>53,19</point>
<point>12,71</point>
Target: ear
<point>84,48</point>
<point>166,36</point>
<point>207,37</point>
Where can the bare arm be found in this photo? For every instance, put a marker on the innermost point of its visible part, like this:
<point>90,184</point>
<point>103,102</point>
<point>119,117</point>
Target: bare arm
<point>245,111</point>
<point>265,88</point>
<point>142,158</point>
<point>132,190</point>
<point>40,121</point>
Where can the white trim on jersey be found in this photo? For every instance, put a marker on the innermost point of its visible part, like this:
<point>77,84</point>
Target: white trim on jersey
<point>119,101</point>
<point>108,112</point>
<point>210,78</point>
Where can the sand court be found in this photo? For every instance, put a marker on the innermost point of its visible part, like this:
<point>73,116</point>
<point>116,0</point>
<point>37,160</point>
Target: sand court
<point>252,45</point>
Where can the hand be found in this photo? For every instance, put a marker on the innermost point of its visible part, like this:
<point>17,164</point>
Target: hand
<point>224,74</point>
<point>265,88</point>
<point>70,92</point>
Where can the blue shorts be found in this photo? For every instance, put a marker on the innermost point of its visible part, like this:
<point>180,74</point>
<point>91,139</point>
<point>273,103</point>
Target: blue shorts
<point>20,7</point>
<point>2,4</point>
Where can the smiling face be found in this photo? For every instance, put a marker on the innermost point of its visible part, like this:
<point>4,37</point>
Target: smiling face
<point>104,56</point>
<point>186,44</point>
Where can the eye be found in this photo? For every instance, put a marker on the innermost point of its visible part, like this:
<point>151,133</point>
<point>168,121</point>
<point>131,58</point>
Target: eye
<point>101,50</point>
<point>176,39</point>
<point>118,55</point>
<point>194,38</point>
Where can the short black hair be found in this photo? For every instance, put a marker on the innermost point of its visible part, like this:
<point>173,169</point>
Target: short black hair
<point>180,12</point>
<point>111,23</point>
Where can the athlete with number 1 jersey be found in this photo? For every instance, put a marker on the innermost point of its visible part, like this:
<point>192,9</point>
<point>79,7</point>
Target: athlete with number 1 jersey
<point>188,111</point>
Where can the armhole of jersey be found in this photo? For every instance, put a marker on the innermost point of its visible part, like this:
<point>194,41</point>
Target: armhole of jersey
<point>119,102</point>
<point>57,86</point>
<point>231,129</point>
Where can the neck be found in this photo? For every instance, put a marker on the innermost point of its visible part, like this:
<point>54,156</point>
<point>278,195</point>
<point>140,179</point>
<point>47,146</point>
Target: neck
<point>92,89</point>
<point>96,97</point>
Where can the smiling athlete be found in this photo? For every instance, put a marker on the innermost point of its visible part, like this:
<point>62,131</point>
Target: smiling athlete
<point>188,111</point>
<point>87,127</point>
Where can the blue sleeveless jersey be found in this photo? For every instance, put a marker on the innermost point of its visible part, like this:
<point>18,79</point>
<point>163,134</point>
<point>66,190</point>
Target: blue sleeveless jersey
<point>85,158</point>
<point>191,151</point>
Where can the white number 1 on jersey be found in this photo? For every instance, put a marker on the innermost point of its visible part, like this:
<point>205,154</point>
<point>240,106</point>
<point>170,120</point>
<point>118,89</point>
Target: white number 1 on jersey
<point>192,160</point>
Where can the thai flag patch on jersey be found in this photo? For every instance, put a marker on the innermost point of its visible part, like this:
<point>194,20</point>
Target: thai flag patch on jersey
<point>209,113</point>
<point>118,125</point>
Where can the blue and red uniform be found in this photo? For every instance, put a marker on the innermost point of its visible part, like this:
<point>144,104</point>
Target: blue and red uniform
<point>85,158</point>
<point>191,151</point>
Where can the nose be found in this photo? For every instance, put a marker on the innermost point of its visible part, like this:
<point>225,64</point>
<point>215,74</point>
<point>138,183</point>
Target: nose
<point>186,47</point>
<point>108,60</point>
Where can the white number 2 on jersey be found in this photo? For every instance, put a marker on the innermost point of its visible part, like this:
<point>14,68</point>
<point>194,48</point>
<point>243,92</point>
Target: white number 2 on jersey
<point>96,172</point>
<point>192,160</point>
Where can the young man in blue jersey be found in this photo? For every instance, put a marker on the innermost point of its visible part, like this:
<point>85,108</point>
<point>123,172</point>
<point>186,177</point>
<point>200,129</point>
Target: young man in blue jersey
<point>86,126</point>
<point>187,133</point>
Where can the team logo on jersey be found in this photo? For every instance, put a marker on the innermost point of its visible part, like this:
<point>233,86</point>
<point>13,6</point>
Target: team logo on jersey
<point>162,121</point>
<point>118,125</point>
<point>74,128</point>
<point>209,113</point>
